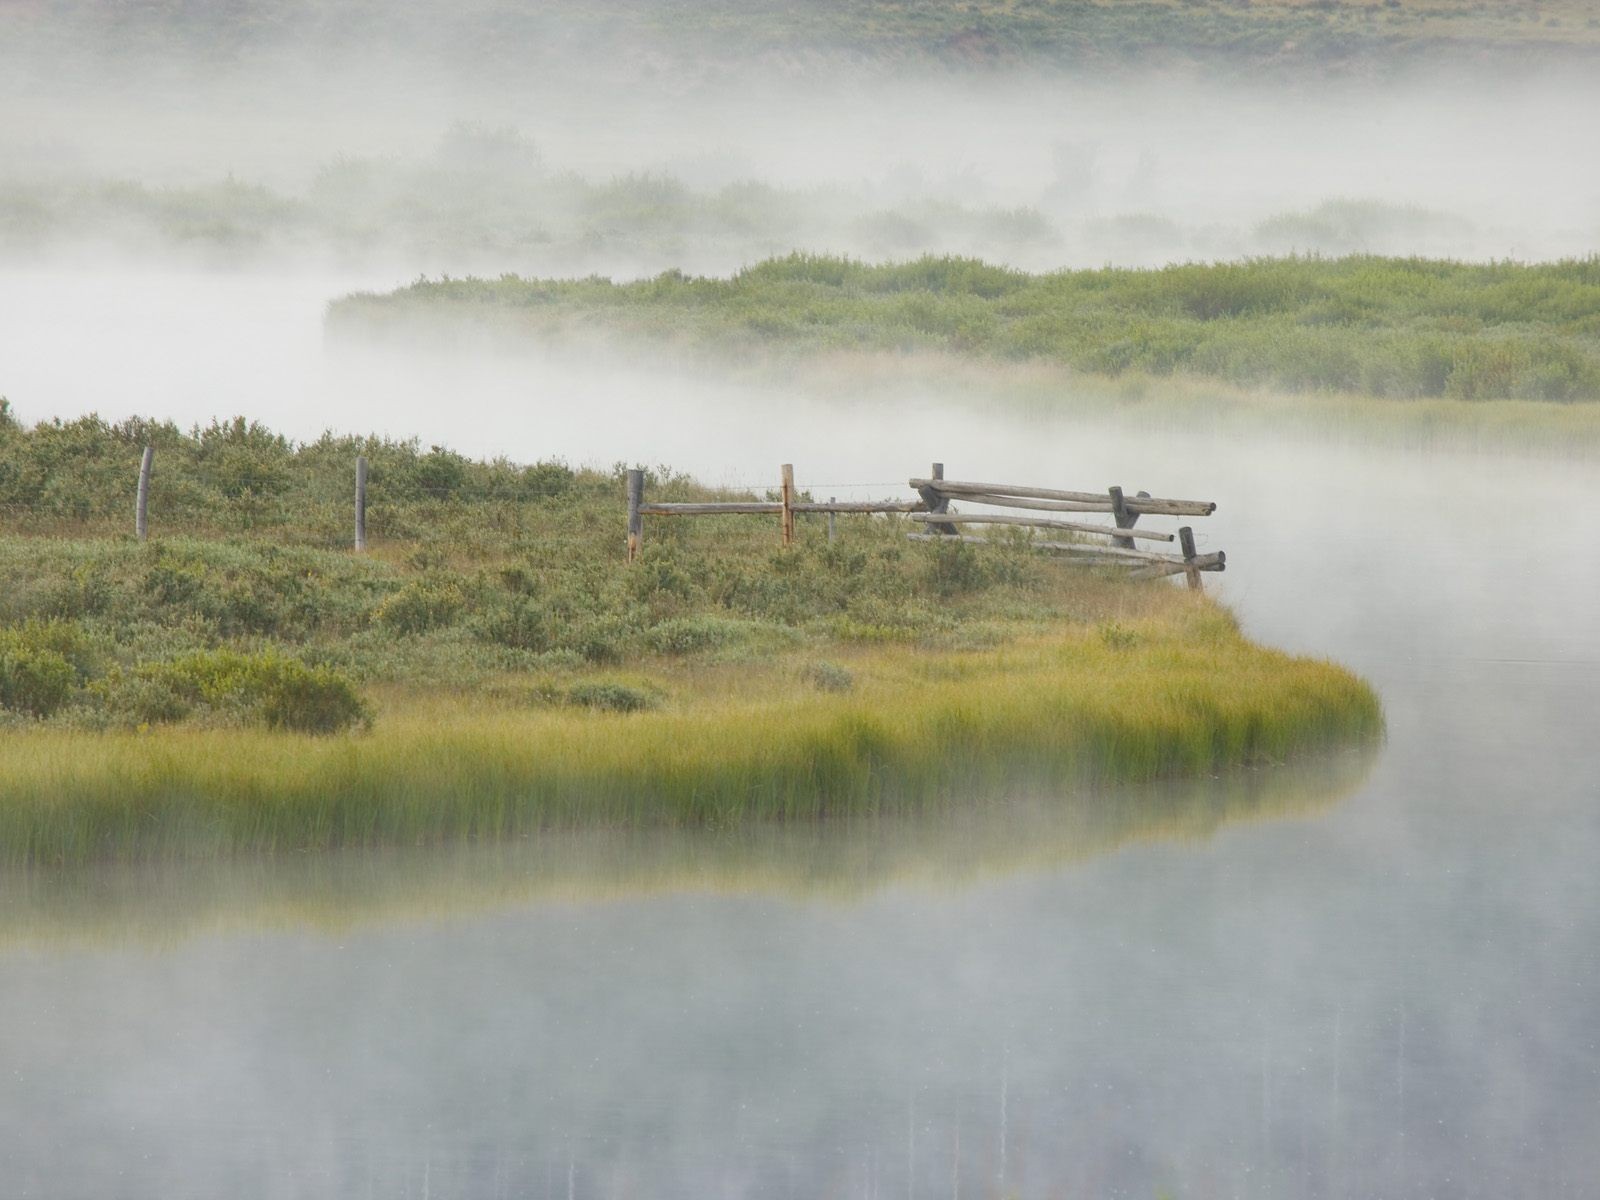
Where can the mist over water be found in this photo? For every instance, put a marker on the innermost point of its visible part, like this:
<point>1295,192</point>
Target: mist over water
<point>1392,994</point>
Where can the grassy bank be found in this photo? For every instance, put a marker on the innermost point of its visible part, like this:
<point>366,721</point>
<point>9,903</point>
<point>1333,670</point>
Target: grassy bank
<point>1389,328</point>
<point>492,668</point>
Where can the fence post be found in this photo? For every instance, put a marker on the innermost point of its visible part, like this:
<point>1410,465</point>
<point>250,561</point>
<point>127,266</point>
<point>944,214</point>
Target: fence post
<point>1186,540</point>
<point>141,512</point>
<point>1121,515</point>
<point>936,501</point>
<point>788,504</point>
<point>361,503</point>
<point>635,518</point>
<point>833,519</point>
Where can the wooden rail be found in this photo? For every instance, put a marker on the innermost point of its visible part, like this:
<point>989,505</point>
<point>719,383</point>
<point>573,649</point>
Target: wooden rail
<point>941,523</point>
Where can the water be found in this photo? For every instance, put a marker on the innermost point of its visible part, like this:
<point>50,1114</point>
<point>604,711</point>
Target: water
<point>1363,980</point>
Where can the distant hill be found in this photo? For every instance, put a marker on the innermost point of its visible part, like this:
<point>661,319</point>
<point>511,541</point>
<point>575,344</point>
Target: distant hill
<point>667,36</point>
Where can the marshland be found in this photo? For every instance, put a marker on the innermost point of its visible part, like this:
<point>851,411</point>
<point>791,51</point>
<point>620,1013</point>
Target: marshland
<point>485,863</point>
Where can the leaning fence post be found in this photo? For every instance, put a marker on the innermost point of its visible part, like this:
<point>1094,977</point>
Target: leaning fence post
<point>1186,540</point>
<point>141,512</point>
<point>788,504</point>
<point>1123,518</point>
<point>635,517</point>
<point>361,503</point>
<point>833,519</point>
<point>936,501</point>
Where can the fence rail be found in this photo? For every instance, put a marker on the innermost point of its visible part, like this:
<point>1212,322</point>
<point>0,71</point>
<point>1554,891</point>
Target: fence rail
<point>931,511</point>
<point>942,523</point>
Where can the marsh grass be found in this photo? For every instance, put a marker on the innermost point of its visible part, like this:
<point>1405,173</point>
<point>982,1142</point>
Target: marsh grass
<point>1393,328</point>
<point>1188,696</point>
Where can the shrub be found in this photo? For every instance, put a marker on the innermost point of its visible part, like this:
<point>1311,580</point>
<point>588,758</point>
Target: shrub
<point>282,693</point>
<point>421,605</point>
<point>34,680</point>
<point>689,635</point>
<point>41,662</point>
<point>312,700</point>
<point>610,697</point>
<point>829,677</point>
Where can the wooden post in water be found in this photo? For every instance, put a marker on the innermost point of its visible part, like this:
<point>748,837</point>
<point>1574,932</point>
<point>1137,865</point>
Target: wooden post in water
<point>141,510</point>
<point>1186,540</point>
<point>833,520</point>
<point>788,504</point>
<point>361,503</point>
<point>635,517</point>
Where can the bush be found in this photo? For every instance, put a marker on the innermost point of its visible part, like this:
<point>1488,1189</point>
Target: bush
<point>34,680</point>
<point>312,700</point>
<point>282,693</point>
<point>421,605</point>
<point>829,677</point>
<point>689,635</point>
<point>41,662</point>
<point>610,697</point>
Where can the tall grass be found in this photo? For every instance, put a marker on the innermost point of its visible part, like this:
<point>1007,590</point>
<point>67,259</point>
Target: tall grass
<point>918,731</point>
<point>1386,327</point>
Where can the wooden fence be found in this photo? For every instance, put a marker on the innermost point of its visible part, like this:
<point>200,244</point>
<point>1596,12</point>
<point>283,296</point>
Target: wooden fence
<point>933,510</point>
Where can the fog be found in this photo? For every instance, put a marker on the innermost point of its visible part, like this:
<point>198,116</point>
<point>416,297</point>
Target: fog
<point>1390,994</point>
<point>560,179</point>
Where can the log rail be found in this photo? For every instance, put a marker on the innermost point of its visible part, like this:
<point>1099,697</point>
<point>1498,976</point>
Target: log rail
<point>941,523</point>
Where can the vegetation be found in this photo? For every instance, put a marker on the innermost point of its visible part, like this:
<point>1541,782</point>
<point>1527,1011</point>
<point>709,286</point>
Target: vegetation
<point>491,667</point>
<point>1393,328</point>
<point>492,35</point>
<point>486,195</point>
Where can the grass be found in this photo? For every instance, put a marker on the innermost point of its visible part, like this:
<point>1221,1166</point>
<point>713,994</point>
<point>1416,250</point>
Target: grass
<point>1188,696</point>
<point>1384,327</point>
<point>492,668</point>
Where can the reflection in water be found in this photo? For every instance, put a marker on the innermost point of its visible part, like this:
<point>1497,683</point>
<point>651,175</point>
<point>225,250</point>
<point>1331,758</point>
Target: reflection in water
<point>845,860</point>
<point>809,1011</point>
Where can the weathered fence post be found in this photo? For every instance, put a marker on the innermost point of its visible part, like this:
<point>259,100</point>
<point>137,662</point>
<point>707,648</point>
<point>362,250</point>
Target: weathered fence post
<point>1121,515</point>
<point>1186,540</point>
<point>833,519</point>
<point>936,501</point>
<point>788,504</point>
<point>635,518</point>
<point>361,503</point>
<point>141,511</point>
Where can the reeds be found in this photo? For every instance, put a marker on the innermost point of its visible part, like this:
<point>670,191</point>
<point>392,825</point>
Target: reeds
<point>1181,697</point>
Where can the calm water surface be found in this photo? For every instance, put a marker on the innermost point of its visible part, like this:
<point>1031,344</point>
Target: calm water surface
<point>1340,981</point>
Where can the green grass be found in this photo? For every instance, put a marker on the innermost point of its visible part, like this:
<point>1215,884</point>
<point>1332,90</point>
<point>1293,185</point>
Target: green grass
<point>494,667</point>
<point>1190,696</point>
<point>1382,327</point>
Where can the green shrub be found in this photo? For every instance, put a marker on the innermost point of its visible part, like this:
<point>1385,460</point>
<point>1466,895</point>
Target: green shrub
<point>829,677</point>
<point>691,635</point>
<point>312,700</point>
<point>41,663</point>
<point>282,693</point>
<point>421,605</point>
<point>34,680</point>
<point>610,697</point>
